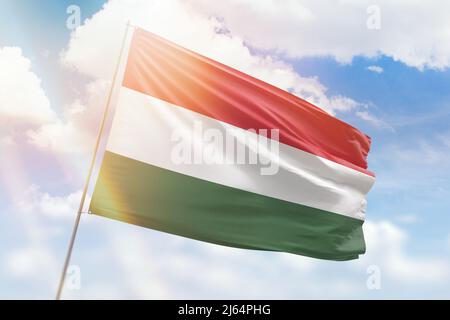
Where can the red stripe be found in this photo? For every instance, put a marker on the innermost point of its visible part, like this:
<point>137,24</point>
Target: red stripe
<point>164,70</point>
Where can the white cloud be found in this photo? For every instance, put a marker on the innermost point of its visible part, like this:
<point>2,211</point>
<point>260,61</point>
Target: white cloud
<point>343,104</point>
<point>373,120</point>
<point>7,141</point>
<point>157,265</point>
<point>188,269</point>
<point>445,139</point>
<point>317,28</point>
<point>146,268</point>
<point>43,216</point>
<point>415,165</point>
<point>34,259</point>
<point>26,115</point>
<point>31,263</point>
<point>376,69</point>
<point>190,29</point>
<point>36,202</point>
<point>407,218</point>
<point>386,246</point>
<point>22,99</point>
<point>424,152</point>
<point>74,133</point>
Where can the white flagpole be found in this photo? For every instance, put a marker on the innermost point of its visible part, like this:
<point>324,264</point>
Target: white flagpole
<point>91,168</point>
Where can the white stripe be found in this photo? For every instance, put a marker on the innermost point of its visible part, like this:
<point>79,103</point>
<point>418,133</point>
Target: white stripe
<point>143,127</point>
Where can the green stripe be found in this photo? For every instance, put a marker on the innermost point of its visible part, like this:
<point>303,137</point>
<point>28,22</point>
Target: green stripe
<point>152,197</point>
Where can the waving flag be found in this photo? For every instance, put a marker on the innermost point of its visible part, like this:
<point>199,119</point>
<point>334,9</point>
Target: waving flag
<point>201,150</point>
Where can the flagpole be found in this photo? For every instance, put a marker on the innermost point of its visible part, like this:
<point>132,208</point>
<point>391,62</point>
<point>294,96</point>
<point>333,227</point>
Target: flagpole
<point>91,168</point>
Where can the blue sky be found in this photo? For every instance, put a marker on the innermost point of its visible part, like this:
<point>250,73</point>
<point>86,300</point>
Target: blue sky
<point>405,109</point>
<point>414,105</point>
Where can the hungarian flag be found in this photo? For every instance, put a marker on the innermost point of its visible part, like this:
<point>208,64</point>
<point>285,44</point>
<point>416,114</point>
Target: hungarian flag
<point>201,150</point>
